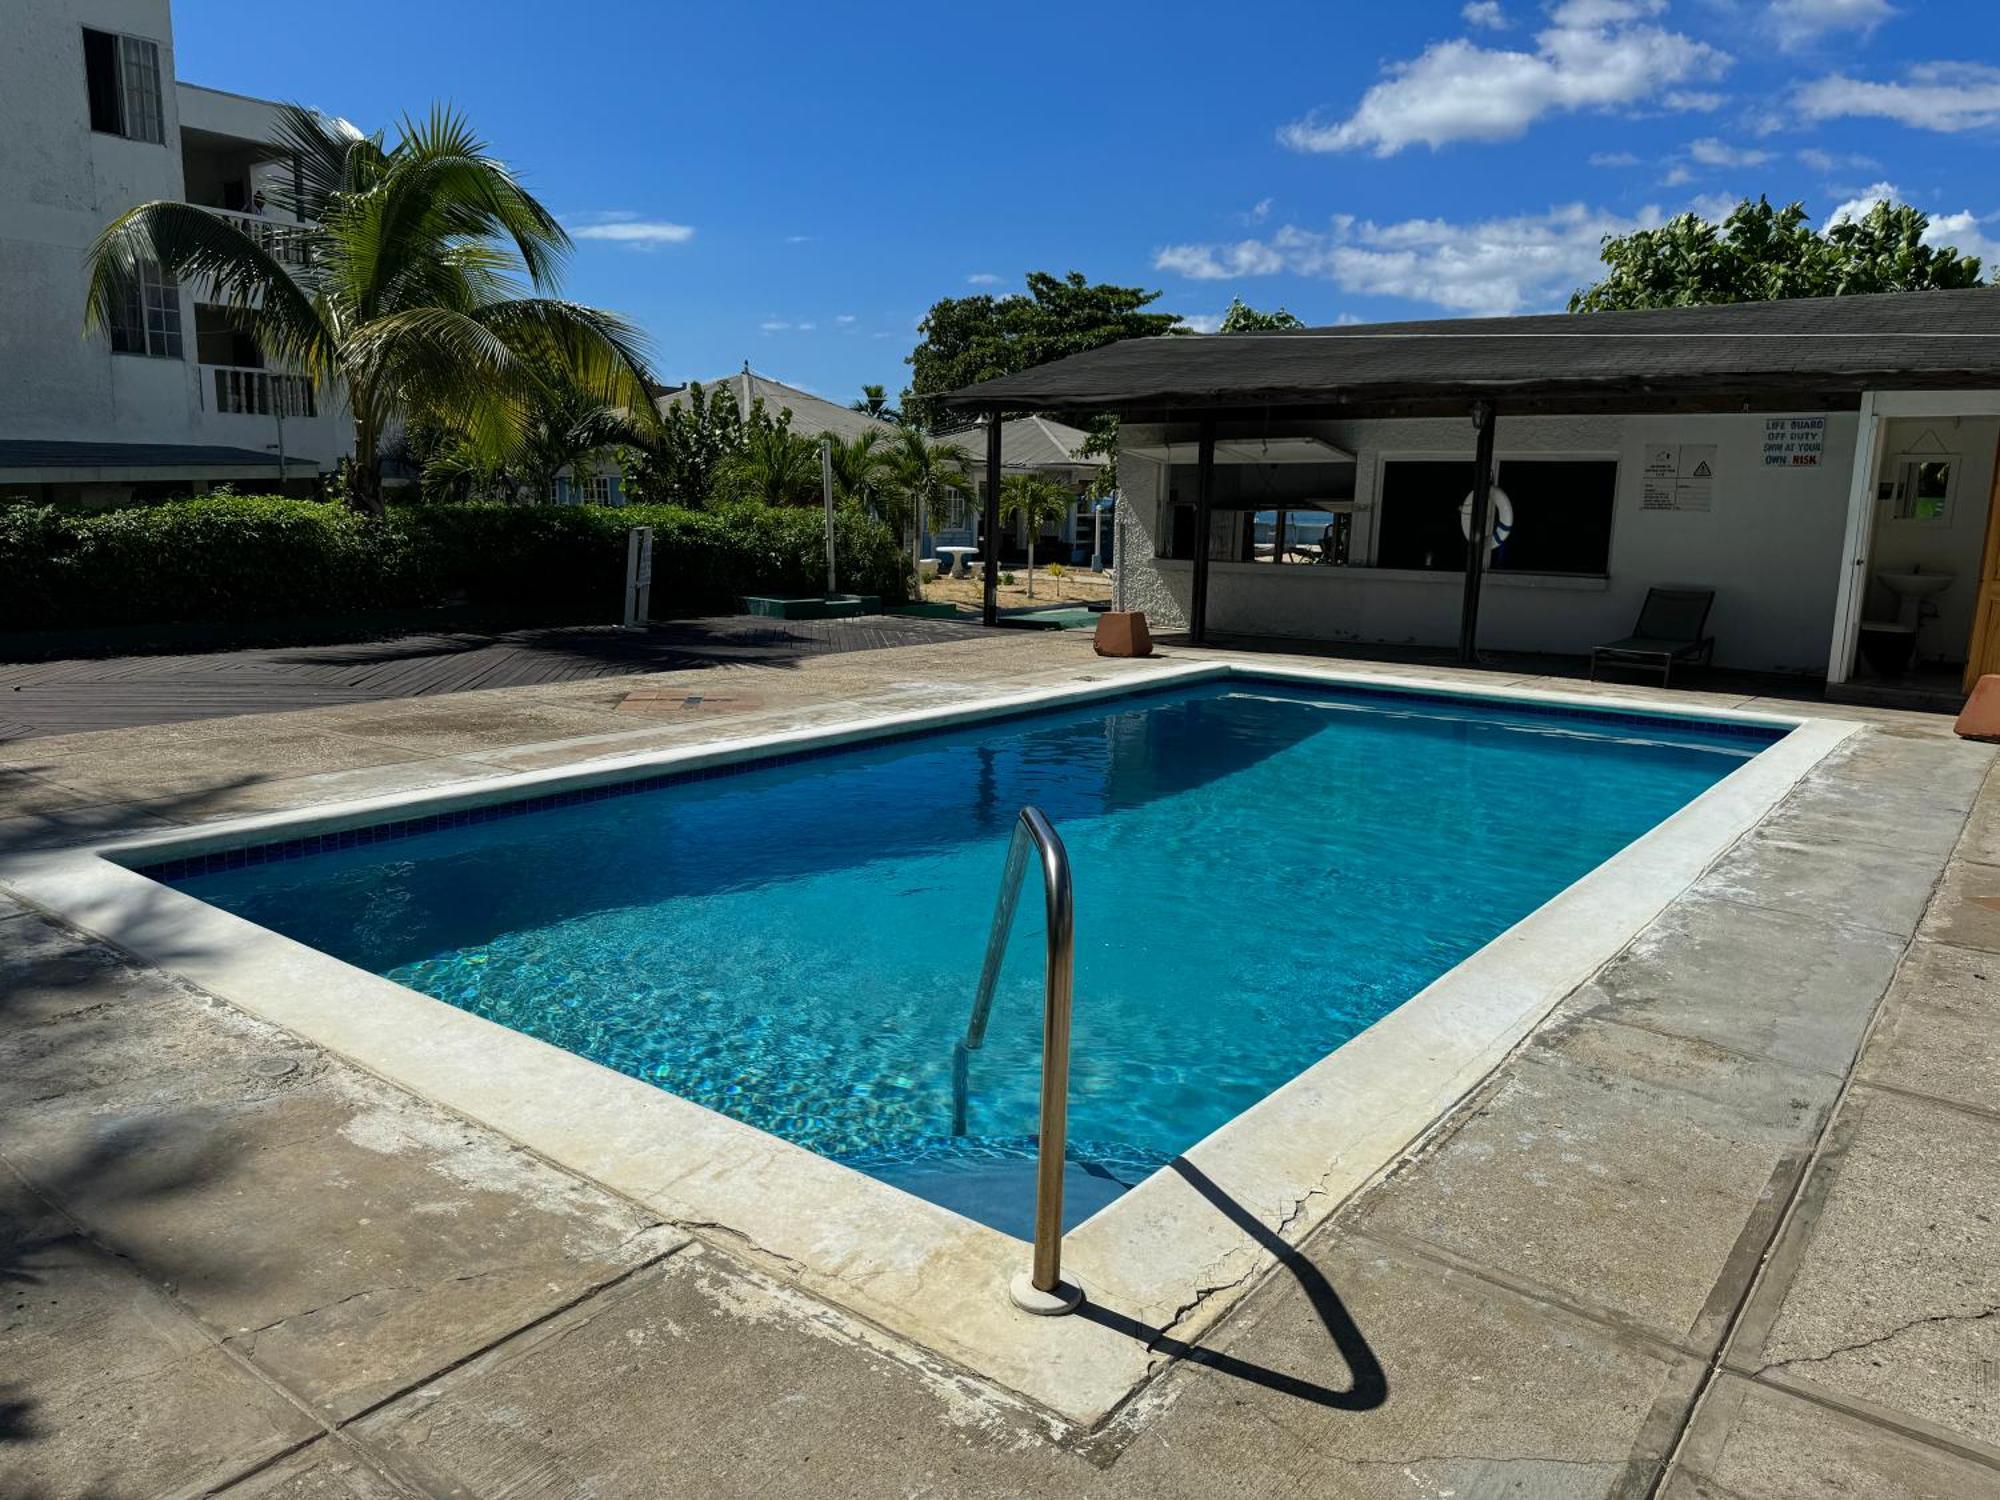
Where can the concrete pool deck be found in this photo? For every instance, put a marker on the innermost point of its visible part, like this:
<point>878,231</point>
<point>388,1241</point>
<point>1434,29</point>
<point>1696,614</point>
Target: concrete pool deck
<point>1678,1236</point>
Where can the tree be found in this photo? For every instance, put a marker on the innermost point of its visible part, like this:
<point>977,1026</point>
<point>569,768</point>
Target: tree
<point>697,436</point>
<point>1039,501</point>
<point>1761,253</point>
<point>774,464</point>
<point>969,339</point>
<point>875,403</point>
<point>568,427</point>
<point>926,475</point>
<point>1242,318</point>
<point>407,286</point>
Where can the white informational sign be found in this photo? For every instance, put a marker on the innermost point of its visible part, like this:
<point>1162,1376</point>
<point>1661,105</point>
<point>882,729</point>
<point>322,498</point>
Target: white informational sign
<point>1678,477</point>
<point>1794,442</point>
<point>638,576</point>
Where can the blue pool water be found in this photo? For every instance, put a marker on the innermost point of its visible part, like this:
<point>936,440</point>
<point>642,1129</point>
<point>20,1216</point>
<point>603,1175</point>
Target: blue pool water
<point>1262,870</point>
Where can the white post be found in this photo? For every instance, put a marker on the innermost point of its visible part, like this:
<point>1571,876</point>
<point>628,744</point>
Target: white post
<point>826,497</point>
<point>1859,535</point>
<point>638,577</point>
<point>1118,550</point>
<point>1097,535</point>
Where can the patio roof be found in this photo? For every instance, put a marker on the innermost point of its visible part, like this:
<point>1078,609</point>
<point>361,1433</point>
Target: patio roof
<point>1818,352</point>
<point>39,460</point>
<point>1033,442</point>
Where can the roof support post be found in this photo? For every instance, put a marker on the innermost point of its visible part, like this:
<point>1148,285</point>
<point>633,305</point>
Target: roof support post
<point>1204,500</point>
<point>990,543</point>
<point>1475,542</point>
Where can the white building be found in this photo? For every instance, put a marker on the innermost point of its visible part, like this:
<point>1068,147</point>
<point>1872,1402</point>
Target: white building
<point>1826,468</point>
<point>174,399</point>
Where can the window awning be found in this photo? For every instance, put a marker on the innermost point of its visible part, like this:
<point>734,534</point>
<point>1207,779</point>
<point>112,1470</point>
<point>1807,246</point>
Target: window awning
<point>1276,450</point>
<point>40,461</point>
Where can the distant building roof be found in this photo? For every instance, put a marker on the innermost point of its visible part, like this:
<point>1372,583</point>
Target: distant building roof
<point>1819,353</point>
<point>41,455</point>
<point>1033,442</point>
<point>811,415</point>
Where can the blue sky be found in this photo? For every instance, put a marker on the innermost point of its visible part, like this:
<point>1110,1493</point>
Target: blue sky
<point>794,184</point>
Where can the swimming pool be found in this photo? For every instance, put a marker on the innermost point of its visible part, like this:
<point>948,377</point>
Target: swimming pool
<point>1264,868</point>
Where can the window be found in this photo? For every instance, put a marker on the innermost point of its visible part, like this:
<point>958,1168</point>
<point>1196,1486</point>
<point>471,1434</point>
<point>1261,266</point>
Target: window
<point>148,320</point>
<point>1562,515</point>
<point>122,74</point>
<point>597,490</point>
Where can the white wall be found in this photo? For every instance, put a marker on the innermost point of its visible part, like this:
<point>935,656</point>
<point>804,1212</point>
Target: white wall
<point>1954,545</point>
<point>1769,547</point>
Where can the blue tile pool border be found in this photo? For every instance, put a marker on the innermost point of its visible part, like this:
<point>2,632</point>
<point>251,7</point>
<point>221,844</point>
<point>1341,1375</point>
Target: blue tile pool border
<point>277,851</point>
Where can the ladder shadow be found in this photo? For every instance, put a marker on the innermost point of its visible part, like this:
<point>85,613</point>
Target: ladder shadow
<point>1368,1386</point>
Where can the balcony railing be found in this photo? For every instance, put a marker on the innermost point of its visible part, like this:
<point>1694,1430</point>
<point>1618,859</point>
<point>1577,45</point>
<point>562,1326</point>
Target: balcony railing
<point>242,391</point>
<point>288,244</point>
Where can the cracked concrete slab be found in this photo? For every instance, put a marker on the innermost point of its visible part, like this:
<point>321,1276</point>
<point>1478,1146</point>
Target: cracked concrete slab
<point>1886,1287</point>
<point>1837,805</point>
<point>1940,1028</point>
<point>1871,885</point>
<point>1967,909</point>
<point>106,1388</point>
<point>348,1237</point>
<point>1618,1195</point>
<point>1795,989</point>
<point>1751,1441</point>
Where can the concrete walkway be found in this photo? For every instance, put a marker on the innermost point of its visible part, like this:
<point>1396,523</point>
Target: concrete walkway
<point>1722,1227</point>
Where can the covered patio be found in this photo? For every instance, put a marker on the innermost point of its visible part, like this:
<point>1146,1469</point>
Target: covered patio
<point>1747,449</point>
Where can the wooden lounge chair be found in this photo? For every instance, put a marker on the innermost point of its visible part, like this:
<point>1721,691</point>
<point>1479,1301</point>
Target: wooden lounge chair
<point>1669,630</point>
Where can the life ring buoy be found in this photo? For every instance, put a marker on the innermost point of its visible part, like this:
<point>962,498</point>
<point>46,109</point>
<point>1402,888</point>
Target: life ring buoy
<point>1500,511</point>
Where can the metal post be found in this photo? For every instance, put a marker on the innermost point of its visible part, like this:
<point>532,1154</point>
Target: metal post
<point>1204,498</point>
<point>826,498</point>
<point>1475,544</point>
<point>990,582</point>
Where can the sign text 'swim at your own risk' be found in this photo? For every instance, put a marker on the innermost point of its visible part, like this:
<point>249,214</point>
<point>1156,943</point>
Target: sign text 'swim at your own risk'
<point>1794,442</point>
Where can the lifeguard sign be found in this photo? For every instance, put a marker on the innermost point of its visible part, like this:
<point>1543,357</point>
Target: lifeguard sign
<point>638,576</point>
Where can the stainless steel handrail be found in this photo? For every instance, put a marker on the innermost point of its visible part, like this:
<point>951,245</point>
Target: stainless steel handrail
<point>1044,1290</point>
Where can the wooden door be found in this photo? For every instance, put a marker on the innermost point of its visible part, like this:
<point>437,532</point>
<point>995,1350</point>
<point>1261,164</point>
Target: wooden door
<point>1982,653</point>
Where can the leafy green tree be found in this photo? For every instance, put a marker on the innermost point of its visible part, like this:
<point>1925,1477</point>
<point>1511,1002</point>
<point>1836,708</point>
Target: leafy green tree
<point>1242,318</point>
<point>925,475</point>
<point>861,470</point>
<point>875,403</point>
<point>1037,500</point>
<point>774,464</point>
<point>1762,253</point>
<point>969,339</point>
<point>697,436</point>
<point>408,295</point>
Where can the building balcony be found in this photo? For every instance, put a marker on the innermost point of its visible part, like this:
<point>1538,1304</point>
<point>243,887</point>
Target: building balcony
<point>288,244</point>
<point>242,390</point>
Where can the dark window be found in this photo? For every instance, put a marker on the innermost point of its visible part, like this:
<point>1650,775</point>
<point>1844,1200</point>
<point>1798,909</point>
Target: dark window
<point>1180,532</point>
<point>100,71</point>
<point>1562,515</point>
<point>148,319</point>
<point>122,74</point>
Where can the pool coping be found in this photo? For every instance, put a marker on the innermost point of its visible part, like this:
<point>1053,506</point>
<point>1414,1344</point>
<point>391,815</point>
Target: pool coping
<point>1165,1259</point>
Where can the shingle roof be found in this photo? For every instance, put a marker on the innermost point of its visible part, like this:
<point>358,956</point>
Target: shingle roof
<point>1833,345</point>
<point>39,453</point>
<point>1033,442</point>
<point>811,415</point>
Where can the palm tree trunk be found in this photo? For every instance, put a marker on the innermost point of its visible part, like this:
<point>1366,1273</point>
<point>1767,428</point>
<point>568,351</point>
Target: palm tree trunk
<point>364,478</point>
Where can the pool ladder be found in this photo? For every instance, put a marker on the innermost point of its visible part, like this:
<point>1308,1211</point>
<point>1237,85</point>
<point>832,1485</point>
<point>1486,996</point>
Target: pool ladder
<point>1042,1290</point>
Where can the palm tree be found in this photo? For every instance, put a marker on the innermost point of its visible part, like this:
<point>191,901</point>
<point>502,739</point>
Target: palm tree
<point>926,474</point>
<point>1038,500</point>
<point>426,288</point>
<point>861,472</point>
<point>568,427</point>
<point>774,465</point>
<point>874,402</point>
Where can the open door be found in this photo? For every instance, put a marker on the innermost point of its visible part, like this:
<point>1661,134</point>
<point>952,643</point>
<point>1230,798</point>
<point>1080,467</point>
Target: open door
<point>1982,654</point>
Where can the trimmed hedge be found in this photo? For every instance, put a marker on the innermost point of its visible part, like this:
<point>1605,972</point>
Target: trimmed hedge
<point>259,557</point>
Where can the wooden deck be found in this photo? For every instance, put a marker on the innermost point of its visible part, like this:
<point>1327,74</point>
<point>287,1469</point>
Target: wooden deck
<point>65,697</point>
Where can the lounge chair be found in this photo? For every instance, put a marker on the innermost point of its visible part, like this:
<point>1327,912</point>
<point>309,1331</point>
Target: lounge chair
<point>1669,630</point>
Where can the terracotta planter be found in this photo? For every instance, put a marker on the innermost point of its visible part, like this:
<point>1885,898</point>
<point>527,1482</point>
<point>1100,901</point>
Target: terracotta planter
<point>1123,633</point>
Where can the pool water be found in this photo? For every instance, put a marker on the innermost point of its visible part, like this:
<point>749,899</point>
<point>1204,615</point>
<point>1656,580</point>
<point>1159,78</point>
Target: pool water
<point>1262,869</point>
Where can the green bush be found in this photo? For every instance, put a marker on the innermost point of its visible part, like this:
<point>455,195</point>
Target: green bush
<point>251,557</point>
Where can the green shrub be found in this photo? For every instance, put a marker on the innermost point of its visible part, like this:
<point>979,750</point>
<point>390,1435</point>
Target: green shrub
<point>250,557</point>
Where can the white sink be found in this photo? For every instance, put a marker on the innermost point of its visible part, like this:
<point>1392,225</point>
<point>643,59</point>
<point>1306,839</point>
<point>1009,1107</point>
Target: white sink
<point>1915,585</point>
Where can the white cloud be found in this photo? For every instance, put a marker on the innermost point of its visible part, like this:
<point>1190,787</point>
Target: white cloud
<point>982,278</point>
<point>1827,161</point>
<point>1694,101</point>
<point>843,319</point>
<point>785,325</point>
<point>1258,212</point>
<point>1800,23</point>
<point>1709,152</point>
<point>1613,159</point>
<point>1485,13</point>
<point>801,239</point>
<point>631,231</point>
<point>1966,233</point>
<point>1503,265</point>
<point>1202,322</point>
<point>1677,176</point>
<point>1219,262</point>
<point>1593,55</point>
<point>1946,96</point>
